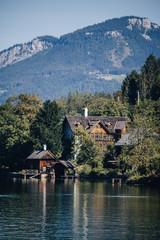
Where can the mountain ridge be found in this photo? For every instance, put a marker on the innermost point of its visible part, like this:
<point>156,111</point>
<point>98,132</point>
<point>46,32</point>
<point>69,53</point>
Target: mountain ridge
<point>83,60</point>
<point>19,52</point>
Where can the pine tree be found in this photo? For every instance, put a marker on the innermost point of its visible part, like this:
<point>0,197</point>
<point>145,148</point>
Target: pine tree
<point>46,129</point>
<point>149,75</point>
<point>130,87</point>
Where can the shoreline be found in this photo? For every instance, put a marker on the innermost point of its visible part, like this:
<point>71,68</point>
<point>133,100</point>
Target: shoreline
<point>142,181</point>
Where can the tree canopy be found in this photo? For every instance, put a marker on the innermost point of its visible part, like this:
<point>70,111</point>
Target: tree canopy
<point>46,129</point>
<point>26,124</point>
<point>147,83</point>
<point>16,116</point>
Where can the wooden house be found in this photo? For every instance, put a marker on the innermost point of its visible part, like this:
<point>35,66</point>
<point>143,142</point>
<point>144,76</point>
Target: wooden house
<point>45,162</point>
<point>41,160</point>
<point>102,129</point>
<point>64,168</point>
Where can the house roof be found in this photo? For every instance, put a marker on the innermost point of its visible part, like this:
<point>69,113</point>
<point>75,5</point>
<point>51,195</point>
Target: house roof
<point>39,155</point>
<point>109,123</point>
<point>67,163</point>
<point>129,139</point>
<point>120,125</point>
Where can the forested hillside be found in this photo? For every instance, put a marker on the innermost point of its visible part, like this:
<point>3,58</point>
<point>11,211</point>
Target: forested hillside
<point>95,58</point>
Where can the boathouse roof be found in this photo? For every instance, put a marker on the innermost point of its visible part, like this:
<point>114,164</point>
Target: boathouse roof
<point>67,163</point>
<point>42,154</point>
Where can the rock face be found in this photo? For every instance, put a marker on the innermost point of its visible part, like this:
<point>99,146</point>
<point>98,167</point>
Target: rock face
<point>144,25</point>
<point>20,52</point>
<point>95,58</point>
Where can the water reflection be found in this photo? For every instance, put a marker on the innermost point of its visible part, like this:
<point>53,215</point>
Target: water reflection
<point>85,217</point>
<point>34,209</point>
<point>44,204</point>
<point>75,208</point>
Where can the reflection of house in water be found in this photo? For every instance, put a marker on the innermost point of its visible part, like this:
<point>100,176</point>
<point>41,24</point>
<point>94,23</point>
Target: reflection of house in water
<point>44,162</point>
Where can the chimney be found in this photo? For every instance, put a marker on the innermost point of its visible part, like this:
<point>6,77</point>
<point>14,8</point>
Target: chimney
<point>44,147</point>
<point>85,112</point>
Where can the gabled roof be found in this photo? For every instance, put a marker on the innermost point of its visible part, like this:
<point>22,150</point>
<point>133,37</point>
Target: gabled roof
<point>67,164</point>
<point>88,123</point>
<point>120,125</point>
<point>129,139</point>
<point>101,123</point>
<point>42,155</point>
<point>90,128</point>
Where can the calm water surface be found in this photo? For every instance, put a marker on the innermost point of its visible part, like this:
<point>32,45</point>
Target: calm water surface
<point>34,209</point>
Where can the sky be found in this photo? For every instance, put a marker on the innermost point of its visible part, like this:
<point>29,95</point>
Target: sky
<point>23,20</point>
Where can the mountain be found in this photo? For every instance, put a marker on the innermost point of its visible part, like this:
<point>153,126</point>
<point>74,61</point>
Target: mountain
<point>20,52</point>
<point>95,58</point>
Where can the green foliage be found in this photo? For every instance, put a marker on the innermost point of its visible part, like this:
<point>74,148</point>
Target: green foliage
<point>26,124</point>
<point>46,129</point>
<point>142,158</point>
<point>147,83</point>
<point>99,104</point>
<point>83,169</point>
<point>148,76</point>
<point>87,152</point>
<point>130,87</point>
<point>110,154</point>
<point>16,116</point>
<point>154,164</point>
<point>26,105</point>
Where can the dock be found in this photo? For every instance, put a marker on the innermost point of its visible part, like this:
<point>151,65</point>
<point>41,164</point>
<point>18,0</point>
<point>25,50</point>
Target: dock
<point>119,180</point>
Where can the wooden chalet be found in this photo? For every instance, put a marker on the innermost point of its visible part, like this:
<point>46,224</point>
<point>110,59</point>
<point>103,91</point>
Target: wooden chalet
<point>102,129</point>
<point>41,160</point>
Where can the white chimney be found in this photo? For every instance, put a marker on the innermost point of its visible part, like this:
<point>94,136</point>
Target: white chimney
<point>85,112</point>
<point>44,147</point>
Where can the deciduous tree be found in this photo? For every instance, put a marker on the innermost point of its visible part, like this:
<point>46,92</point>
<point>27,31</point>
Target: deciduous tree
<point>87,152</point>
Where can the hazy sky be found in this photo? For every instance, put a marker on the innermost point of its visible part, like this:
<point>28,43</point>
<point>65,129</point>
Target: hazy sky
<point>23,20</point>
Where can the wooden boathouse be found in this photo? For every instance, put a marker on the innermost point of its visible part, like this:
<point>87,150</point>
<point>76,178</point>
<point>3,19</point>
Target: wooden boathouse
<point>45,162</point>
<point>41,160</point>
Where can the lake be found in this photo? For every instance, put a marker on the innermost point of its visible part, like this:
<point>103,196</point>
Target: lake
<point>73,209</point>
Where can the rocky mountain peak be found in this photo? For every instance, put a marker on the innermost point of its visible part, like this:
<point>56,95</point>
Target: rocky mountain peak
<point>141,23</point>
<point>20,52</point>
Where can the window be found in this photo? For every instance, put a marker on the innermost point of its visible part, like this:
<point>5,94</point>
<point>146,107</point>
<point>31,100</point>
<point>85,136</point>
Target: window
<point>104,136</point>
<point>118,131</point>
<point>111,138</point>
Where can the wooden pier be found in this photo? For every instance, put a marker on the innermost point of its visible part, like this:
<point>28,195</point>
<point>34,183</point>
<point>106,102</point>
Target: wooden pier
<point>119,180</point>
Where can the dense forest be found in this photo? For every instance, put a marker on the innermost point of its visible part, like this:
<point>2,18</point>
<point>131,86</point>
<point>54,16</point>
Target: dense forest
<point>26,124</point>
